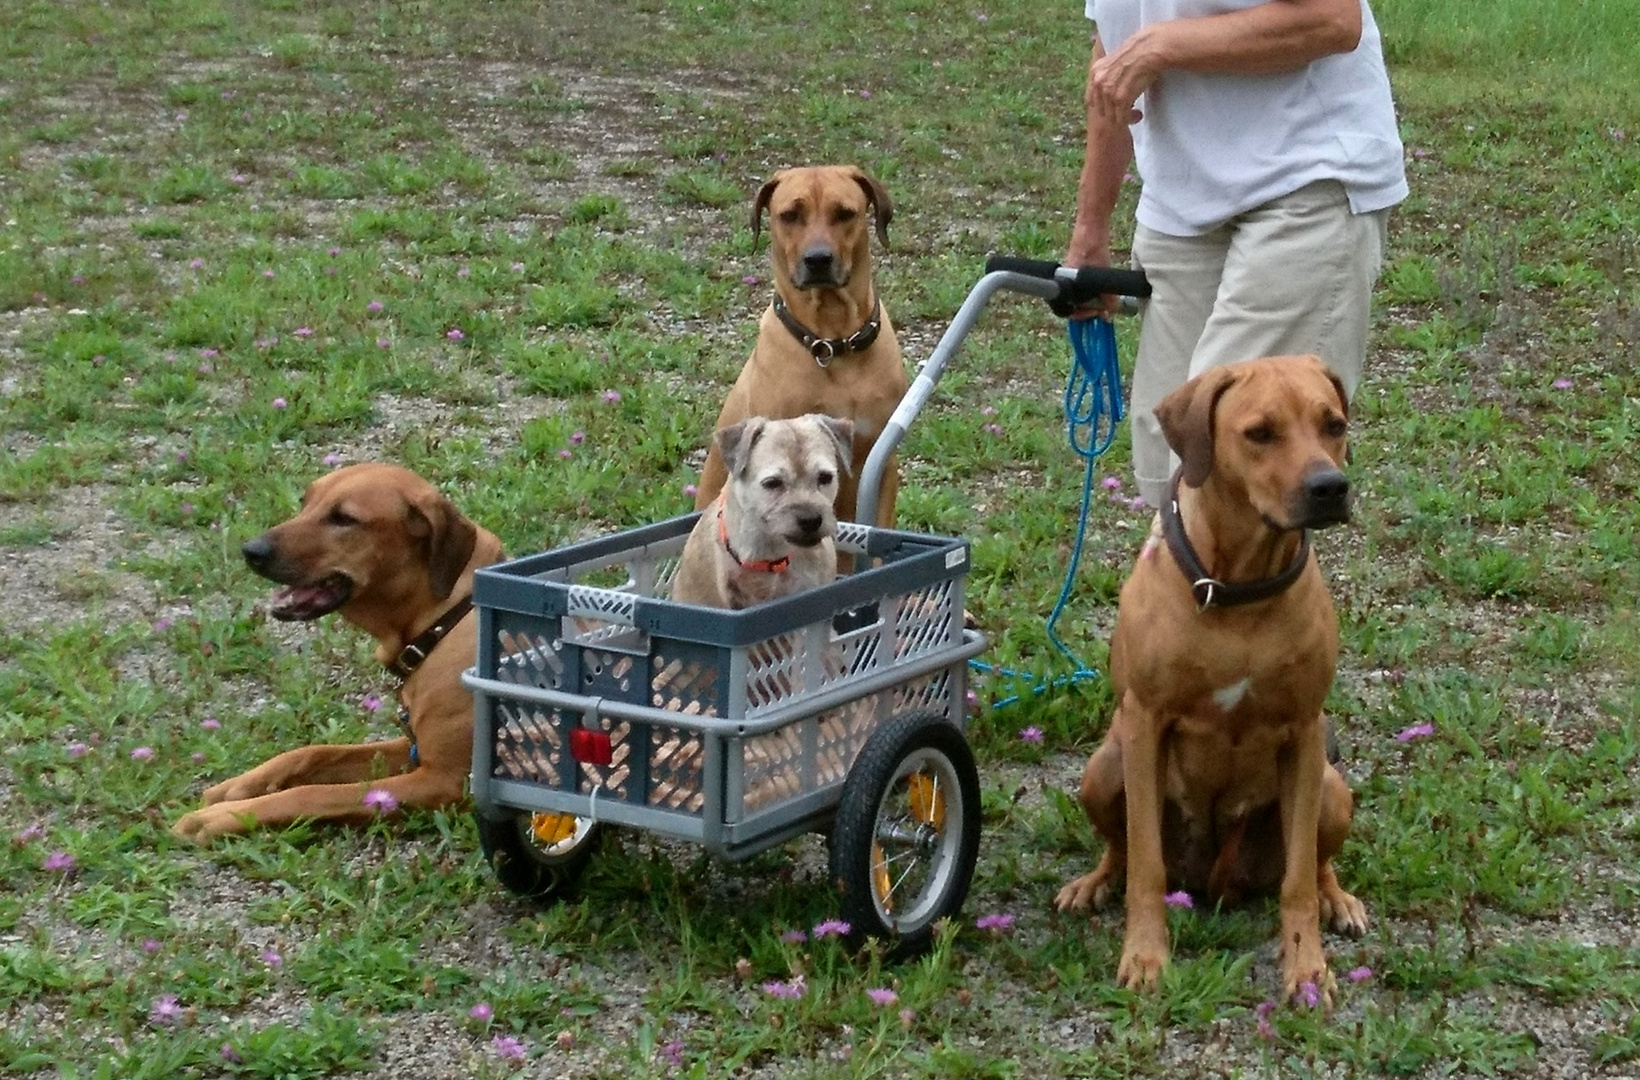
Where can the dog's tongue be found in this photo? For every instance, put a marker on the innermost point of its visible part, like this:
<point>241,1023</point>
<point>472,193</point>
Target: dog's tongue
<point>299,602</point>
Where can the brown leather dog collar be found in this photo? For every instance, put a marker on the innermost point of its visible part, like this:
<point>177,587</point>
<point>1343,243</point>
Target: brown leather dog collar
<point>411,656</point>
<point>760,566</point>
<point>1209,591</point>
<point>823,349</point>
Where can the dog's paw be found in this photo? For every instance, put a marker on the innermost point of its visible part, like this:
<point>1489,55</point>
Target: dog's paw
<point>1340,911</point>
<point>203,826</point>
<point>1309,984</point>
<point>1142,965</point>
<point>1090,890</point>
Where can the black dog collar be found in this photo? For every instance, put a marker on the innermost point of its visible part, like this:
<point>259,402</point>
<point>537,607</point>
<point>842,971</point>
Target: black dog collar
<point>1209,591</point>
<point>412,655</point>
<point>823,349</point>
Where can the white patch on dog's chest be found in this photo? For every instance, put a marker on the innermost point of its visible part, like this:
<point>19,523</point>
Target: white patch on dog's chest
<point>1229,697</point>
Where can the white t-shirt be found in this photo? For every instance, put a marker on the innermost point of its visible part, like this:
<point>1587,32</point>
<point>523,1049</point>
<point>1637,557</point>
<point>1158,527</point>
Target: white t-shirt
<point>1213,146</point>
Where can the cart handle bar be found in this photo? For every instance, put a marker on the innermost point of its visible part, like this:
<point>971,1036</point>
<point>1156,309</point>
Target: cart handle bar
<point>1034,277</point>
<point>1077,285</point>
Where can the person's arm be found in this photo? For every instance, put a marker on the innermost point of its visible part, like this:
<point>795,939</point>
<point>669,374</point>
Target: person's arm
<point>1276,36</point>
<point>1105,161</point>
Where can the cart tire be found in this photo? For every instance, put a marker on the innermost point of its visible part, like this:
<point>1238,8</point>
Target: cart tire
<point>529,867</point>
<point>907,831</point>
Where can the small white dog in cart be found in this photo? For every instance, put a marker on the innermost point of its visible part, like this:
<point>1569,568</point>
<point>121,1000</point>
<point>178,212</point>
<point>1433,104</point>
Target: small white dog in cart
<point>770,532</point>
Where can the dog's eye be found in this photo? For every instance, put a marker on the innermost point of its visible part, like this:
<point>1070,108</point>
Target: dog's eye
<point>823,478</point>
<point>1336,427</point>
<point>1263,434</point>
<point>341,518</point>
<point>773,483</point>
<point>844,214</point>
<point>790,216</point>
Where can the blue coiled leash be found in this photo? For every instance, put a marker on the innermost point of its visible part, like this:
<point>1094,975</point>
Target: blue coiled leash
<point>1093,409</point>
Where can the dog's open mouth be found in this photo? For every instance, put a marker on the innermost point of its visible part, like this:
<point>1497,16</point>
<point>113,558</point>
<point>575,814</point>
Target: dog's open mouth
<point>299,603</point>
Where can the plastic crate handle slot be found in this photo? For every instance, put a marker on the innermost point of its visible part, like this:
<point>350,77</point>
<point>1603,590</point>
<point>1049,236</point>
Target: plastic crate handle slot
<point>591,747</point>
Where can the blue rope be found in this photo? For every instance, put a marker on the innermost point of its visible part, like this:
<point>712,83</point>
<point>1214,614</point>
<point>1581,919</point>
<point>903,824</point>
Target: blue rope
<point>1093,410</point>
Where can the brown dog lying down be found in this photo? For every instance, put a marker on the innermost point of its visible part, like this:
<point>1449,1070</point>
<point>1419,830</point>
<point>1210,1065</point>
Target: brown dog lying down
<point>825,345</point>
<point>1213,776</point>
<point>381,546</point>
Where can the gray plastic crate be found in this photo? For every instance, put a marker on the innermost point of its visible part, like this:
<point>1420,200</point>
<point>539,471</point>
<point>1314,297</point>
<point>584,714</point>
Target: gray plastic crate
<point>733,729</point>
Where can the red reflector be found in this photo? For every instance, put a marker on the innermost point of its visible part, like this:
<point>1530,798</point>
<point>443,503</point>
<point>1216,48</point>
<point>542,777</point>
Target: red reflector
<point>591,747</point>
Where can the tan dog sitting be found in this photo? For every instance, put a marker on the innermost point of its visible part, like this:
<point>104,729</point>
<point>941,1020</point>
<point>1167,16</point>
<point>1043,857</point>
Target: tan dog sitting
<point>380,546</point>
<point>825,345</point>
<point>1213,777</point>
<point>769,533</point>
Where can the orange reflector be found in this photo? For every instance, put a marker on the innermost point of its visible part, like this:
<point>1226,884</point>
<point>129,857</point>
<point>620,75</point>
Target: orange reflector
<point>879,878</point>
<point>927,803</point>
<point>549,828</point>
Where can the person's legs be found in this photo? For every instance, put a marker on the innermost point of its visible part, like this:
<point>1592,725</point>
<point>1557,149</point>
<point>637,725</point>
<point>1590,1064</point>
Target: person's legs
<point>1297,278</point>
<point>1184,273</point>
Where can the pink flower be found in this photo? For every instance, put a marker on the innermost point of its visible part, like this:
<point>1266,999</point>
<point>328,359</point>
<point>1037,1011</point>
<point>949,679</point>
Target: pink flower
<point>371,703</point>
<point>481,1012</point>
<point>831,928</point>
<point>211,723</point>
<point>381,800</point>
<point>612,397</point>
<point>302,332</point>
<point>882,996</point>
<point>332,459</point>
<point>266,273</point>
<point>518,268</point>
<point>998,922</point>
<point>1136,503</point>
<point>165,1011</point>
<point>1032,734</point>
<point>672,1053</point>
<point>142,753</point>
<point>691,490</point>
<point>150,945</point>
<point>508,1048</point>
<point>456,334</point>
<point>280,403</point>
<point>790,990</point>
<point>1562,384</point>
<point>465,271</point>
<point>749,279</point>
<point>988,410</point>
<point>1263,1011</point>
<point>374,306</point>
<point>577,438</point>
<point>1111,483</point>
<point>333,252</point>
<point>196,264</point>
<point>565,453</point>
<point>230,1055</point>
<point>1416,731</point>
<point>78,749</point>
<point>1360,974</point>
<point>794,937</point>
<point>271,958</point>
<point>383,343</point>
<point>1309,994</point>
<point>59,861</point>
<point>1180,899</point>
<point>994,429</point>
<point>907,1018</point>
<point>161,625</point>
<point>29,833</point>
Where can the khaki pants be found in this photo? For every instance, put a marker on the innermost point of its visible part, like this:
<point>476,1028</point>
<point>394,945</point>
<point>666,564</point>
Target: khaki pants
<point>1292,276</point>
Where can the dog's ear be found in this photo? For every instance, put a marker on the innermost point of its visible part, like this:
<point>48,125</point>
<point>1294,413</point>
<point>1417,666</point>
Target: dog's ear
<point>882,206</point>
<point>1186,416</point>
<point>841,433</point>
<point>1338,387</point>
<point>450,540</point>
<point>760,202</point>
<point>735,443</point>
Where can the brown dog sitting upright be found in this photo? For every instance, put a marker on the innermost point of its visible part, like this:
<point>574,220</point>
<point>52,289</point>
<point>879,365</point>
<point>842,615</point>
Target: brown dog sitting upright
<point>825,344</point>
<point>1214,777</point>
<point>381,546</point>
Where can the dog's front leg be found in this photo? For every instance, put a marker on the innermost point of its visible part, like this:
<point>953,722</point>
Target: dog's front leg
<point>1144,946</point>
<point>314,765</point>
<point>1301,764</point>
<point>424,788</point>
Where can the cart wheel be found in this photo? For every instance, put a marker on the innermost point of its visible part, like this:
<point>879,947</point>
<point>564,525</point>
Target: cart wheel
<point>907,830</point>
<point>539,855</point>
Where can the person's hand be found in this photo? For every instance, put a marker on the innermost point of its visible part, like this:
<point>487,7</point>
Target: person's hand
<point>1084,252</point>
<point>1117,79</point>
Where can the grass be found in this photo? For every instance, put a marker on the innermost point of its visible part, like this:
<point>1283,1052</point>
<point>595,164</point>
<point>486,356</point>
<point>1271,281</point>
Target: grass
<point>507,246</point>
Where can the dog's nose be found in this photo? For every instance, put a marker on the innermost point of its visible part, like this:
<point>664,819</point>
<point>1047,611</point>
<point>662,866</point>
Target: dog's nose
<point>258,553</point>
<point>817,260</point>
<point>809,521</point>
<point>1327,485</point>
